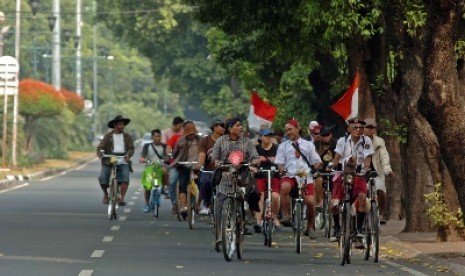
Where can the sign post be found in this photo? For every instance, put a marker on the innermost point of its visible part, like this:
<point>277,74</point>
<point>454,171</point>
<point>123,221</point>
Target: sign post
<point>9,69</point>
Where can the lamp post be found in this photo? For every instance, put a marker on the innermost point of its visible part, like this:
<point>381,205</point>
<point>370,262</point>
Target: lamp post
<point>3,30</point>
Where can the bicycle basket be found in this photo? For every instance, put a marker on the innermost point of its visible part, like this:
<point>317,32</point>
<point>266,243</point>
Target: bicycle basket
<point>245,177</point>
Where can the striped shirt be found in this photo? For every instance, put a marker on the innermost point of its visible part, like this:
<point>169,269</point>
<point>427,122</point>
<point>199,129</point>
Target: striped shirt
<point>223,146</point>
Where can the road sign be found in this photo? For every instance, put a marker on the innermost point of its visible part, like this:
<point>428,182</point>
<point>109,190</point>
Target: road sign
<point>9,69</point>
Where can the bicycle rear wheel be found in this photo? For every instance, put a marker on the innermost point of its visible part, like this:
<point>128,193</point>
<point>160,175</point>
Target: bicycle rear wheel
<point>178,202</point>
<point>268,231</point>
<point>374,216</point>
<point>298,226</point>
<point>113,197</point>
<point>155,202</point>
<point>239,230</point>
<point>228,223</point>
<point>327,218</point>
<point>368,237</point>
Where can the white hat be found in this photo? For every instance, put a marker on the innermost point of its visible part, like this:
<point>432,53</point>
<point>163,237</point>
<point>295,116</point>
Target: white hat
<point>313,124</point>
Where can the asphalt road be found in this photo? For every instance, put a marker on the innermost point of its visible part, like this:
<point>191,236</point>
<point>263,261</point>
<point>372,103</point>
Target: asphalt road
<point>58,226</point>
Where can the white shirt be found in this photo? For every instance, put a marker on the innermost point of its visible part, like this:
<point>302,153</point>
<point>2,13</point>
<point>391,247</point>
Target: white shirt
<point>286,156</point>
<point>359,151</point>
<point>118,146</point>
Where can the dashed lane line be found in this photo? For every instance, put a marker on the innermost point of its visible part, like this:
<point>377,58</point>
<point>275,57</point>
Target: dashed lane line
<point>115,228</point>
<point>86,273</point>
<point>107,239</point>
<point>404,268</point>
<point>97,253</point>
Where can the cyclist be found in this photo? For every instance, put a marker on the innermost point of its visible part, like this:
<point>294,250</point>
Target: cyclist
<point>267,152</point>
<point>294,154</point>
<point>186,150</point>
<point>233,140</point>
<point>154,152</point>
<point>357,149</point>
<point>119,143</point>
<point>176,127</point>
<point>173,171</point>
<point>205,161</point>
<point>313,131</point>
<point>325,148</point>
<point>380,163</point>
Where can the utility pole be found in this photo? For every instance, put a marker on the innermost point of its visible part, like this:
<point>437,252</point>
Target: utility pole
<point>78,48</point>
<point>15,97</point>
<point>56,47</point>
<point>94,60</point>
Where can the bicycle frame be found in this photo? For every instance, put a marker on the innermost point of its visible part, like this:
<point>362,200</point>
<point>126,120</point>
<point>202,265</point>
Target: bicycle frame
<point>191,194</point>
<point>113,185</point>
<point>297,211</point>
<point>268,211</point>
<point>155,192</point>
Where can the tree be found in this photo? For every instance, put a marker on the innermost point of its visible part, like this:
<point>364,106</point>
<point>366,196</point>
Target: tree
<point>36,100</point>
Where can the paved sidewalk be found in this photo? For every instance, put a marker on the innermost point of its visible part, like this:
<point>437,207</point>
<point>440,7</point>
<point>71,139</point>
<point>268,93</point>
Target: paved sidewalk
<point>423,247</point>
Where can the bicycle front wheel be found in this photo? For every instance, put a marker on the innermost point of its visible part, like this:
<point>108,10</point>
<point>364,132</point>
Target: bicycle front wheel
<point>239,230</point>
<point>216,223</point>
<point>155,202</point>
<point>228,225</point>
<point>374,216</point>
<point>178,202</point>
<point>298,226</point>
<point>345,239</point>
<point>268,232</point>
<point>113,196</point>
<point>327,218</point>
<point>191,201</point>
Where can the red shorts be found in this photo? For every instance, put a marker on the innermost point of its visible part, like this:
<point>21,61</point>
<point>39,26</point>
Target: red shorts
<point>360,186</point>
<point>262,184</point>
<point>309,189</point>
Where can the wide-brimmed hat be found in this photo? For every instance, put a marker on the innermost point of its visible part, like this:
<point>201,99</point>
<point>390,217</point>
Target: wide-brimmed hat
<point>216,121</point>
<point>189,128</point>
<point>119,118</point>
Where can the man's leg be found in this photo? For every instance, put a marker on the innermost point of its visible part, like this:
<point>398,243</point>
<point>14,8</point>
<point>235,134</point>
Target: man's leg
<point>173,182</point>
<point>104,179</point>
<point>319,191</point>
<point>309,200</point>
<point>284,191</point>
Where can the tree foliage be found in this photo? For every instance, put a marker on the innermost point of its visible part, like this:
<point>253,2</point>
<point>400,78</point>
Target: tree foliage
<point>38,99</point>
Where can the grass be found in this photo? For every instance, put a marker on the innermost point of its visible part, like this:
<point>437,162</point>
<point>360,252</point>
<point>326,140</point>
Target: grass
<point>74,157</point>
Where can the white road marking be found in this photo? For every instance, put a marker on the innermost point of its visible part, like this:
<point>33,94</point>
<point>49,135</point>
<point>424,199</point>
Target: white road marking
<point>97,253</point>
<point>127,210</point>
<point>107,239</point>
<point>134,197</point>
<point>14,188</point>
<point>115,228</point>
<point>85,273</point>
<point>131,203</point>
<point>53,176</point>
<point>406,269</point>
<point>137,193</point>
<point>122,218</point>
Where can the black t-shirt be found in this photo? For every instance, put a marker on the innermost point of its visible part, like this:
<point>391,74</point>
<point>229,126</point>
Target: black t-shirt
<point>326,151</point>
<point>267,153</point>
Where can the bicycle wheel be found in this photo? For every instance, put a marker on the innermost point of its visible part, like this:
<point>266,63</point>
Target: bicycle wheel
<point>328,221</point>
<point>345,239</point>
<point>154,202</point>
<point>368,238</point>
<point>216,223</point>
<point>374,216</point>
<point>268,232</point>
<point>228,223</point>
<point>298,226</point>
<point>113,196</point>
<point>239,230</point>
<point>191,201</point>
<point>178,202</point>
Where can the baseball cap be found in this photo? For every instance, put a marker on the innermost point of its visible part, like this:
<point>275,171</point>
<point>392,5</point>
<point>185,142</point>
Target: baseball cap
<point>356,121</point>
<point>314,125</point>
<point>265,131</point>
<point>325,131</point>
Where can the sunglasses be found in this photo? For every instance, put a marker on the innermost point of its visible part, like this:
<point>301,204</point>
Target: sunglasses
<point>358,128</point>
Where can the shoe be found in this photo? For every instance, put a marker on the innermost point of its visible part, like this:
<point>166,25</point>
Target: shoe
<point>277,226</point>
<point>146,208</point>
<point>335,235</point>
<point>184,213</point>
<point>310,233</point>
<point>247,232</point>
<point>257,228</point>
<point>286,222</point>
<point>359,245</point>
<point>382,220</point>
<point>122,203</point>
<point>174,209</point>
<point>105,200</point>
<point>318,209</point>
<point>359,234</point>
<point>204,211</point>
<point>167,196</point>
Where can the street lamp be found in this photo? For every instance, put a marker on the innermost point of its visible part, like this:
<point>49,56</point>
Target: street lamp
<point>3,30</point>
<point>35,4</point>
<point>51,22</point>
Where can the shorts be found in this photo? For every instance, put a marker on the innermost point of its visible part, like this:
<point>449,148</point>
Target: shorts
<point>262,184</point>
<point>360,186</point>
<point>309,189</point>
<point>122,174</point>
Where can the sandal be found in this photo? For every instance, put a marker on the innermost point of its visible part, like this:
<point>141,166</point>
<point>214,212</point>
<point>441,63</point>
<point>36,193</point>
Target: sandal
<point>105,200</point>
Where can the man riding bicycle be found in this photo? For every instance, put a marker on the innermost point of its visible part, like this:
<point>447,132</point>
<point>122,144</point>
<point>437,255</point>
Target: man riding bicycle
<point>293,155</point>
<point>119,143</point>
<point>355,149</point>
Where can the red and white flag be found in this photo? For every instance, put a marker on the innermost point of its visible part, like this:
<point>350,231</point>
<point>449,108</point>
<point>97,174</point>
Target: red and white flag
<point>261,113</point>
<point>347,105</point>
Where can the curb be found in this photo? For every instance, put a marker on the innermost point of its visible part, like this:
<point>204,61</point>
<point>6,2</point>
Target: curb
<point>14,180</point>
<point>411,253</point>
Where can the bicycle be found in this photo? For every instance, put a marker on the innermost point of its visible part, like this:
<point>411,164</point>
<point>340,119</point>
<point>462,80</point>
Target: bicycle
<point>268,224</point>
<point>233,215</point>
<point>113,191</point>
<point>323,218</point>
<point>371,226</point>
<point>155,192</point>
<point>191,195</point>
<point>213,215</point>
<point>298,210</point>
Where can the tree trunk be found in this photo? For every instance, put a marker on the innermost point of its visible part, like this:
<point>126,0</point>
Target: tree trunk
<point>442,102</point>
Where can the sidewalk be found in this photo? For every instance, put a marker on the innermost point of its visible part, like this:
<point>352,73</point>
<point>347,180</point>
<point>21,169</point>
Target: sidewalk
<point>422,247</point>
